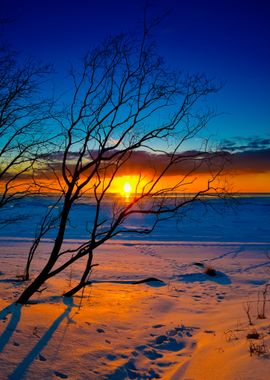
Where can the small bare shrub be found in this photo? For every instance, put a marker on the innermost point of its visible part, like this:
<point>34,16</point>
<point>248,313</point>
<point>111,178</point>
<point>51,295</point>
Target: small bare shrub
<point>230,335</point>
<point>262,302</point>
<point>247,307</point>
<point>257,348</point>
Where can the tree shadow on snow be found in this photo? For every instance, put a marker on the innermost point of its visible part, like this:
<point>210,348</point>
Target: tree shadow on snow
<point>15,311</point>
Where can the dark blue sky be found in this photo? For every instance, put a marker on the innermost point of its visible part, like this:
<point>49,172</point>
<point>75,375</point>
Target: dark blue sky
<point>229,40</point>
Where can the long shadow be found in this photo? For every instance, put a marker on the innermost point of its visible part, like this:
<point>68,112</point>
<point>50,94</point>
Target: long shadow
<point>150,281</point>
<point>220,278</point>
<point>15,311</point>
<point>22,367</point>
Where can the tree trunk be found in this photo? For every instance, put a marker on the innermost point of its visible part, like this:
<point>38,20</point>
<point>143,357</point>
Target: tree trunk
<point>83,281</point>
<point>44,274</point>
<point>26,275</point>
<point>30,258</point>
<point>31,289</point>
<point>78,287</point>
<point>36,284</point>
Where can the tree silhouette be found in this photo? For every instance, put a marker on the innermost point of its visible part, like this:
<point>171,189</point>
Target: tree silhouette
<point>22,115</point>
<point>125,101</point>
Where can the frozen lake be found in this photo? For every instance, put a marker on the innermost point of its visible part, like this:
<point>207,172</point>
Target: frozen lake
<point>246,220</point>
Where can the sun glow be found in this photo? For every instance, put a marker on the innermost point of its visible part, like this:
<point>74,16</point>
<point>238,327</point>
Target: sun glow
<point>127,189</point>
<point>126,186</point>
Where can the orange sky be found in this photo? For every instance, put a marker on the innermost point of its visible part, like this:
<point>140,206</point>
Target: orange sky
<point>251,182</point>
<point>242,183</point>
<point>245,172</point>
<point>237,183</point>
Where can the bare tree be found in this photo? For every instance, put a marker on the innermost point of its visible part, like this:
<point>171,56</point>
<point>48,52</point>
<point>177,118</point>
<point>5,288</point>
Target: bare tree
<point>125,101</point>
<point>22,115</point>
<point>48,222</point>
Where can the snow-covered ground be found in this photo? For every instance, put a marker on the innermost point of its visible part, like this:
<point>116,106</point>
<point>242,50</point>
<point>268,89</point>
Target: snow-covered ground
<point>190,326</point>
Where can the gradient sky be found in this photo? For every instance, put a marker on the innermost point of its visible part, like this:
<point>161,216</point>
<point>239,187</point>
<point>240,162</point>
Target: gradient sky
<point>228,40</point>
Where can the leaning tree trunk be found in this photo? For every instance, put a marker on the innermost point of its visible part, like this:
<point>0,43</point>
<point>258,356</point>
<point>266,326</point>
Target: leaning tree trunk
<point>36,284</point>
<point>83,282</point>
<point>45,273</point>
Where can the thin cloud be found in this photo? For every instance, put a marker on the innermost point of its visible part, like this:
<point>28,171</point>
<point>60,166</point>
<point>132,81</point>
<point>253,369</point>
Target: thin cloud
<point>248,161</point>
<point>240,144</point>
<point>253,161</point>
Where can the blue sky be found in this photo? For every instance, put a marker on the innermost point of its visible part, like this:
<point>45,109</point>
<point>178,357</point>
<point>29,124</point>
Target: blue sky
<point>228,40</point>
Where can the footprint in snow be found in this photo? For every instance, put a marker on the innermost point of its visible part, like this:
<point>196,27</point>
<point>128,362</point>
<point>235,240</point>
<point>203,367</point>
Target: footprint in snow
<point>160,339</point>
<point>158,326</point>
<point>152,354</point>
<point>111,357</point>
<point>41,358</point>
<point>165,364</point>
<point>172,345</point>
<point>60,375</point>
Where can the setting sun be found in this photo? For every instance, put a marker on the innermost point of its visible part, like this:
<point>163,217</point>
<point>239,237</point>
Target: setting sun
<point>127,188</point>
